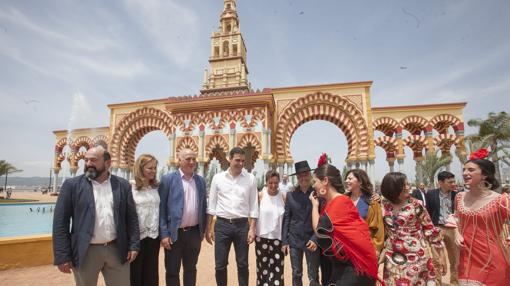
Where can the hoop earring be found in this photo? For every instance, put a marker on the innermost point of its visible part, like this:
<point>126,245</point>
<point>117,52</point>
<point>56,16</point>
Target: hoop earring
<point>487,184</point>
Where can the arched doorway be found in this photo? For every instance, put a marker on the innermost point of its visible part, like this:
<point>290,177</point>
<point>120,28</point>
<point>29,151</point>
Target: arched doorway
<point>328,107</point>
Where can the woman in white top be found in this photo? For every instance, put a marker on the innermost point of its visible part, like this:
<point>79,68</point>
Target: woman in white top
<point>144,270</point>
<point>268,244</point>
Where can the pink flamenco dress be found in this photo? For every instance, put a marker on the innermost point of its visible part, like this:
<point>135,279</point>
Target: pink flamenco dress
<point>485,258</point>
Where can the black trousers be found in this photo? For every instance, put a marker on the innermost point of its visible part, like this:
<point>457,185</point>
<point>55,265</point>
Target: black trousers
<point>344,274</point>
<point>144,270</point>
<point>185,250</point>
<point>227,233</point>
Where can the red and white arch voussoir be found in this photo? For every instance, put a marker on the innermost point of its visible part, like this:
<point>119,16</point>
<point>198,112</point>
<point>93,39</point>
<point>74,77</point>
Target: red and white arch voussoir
<point>132,128</point>
<point>214,142</point>
<point>441,123</point>
<point>323,106</point>
<point>387,125</point>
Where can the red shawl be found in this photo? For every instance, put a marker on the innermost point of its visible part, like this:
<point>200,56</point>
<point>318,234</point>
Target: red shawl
<point>351,231</point>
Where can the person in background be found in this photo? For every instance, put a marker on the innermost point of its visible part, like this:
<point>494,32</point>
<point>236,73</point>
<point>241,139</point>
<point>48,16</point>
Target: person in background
<point>144,270</point>
<point>285,185</point>
<point>419,193</point>
<point>409,233</point>
<point>360,190</point>
<point>268,244</point>
<point>440,204</point>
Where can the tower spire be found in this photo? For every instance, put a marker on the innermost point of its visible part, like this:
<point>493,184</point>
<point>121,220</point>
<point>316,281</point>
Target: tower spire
<point>228,70</point>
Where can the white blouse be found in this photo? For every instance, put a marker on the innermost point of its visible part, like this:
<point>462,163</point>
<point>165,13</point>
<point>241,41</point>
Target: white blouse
<point>147,208</point>
<point>269,224</point>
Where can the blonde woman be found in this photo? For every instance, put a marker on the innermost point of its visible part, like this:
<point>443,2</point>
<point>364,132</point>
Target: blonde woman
<point>144,270</point>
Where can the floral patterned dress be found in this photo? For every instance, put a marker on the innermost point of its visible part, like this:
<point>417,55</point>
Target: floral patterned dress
<point>406,250</point>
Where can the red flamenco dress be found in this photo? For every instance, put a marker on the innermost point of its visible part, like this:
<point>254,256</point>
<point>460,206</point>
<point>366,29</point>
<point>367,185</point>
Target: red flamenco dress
<point>344,237</point>
<point>485,259</point>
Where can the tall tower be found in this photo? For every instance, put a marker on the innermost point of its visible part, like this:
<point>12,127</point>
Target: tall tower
<point>227,62</point>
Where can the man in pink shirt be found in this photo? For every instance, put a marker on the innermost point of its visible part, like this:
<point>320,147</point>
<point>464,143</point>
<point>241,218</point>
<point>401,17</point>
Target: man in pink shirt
<point>182,219</point>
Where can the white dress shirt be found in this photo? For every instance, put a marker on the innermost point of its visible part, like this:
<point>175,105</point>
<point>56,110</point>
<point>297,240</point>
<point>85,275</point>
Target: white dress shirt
<point>147,208</point>
<point>104,225</point>
<point>231,197</point>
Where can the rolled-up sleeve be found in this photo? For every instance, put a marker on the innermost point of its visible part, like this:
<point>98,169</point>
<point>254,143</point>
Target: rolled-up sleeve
<point>254,201</point>
<point>213,197</point>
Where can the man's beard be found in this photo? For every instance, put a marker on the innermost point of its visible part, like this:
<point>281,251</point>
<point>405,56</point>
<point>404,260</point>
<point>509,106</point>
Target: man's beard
<point>92,173</point>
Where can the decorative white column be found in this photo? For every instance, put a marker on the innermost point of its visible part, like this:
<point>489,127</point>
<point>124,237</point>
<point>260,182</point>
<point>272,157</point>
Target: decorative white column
<point>391,164</point>
<point>200,169</point>
<point>171,140</point>
<point>364,165</point>
<point>232,136</point>
<point>371,170</point>
<point>264,143</point>
<point>280,168</point>
<point>201,145</point>
<point>55,182</point>
<point>400,164</point>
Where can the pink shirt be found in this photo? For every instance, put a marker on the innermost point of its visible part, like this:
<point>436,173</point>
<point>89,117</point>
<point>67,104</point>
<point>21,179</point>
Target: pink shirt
<point>190,210</point>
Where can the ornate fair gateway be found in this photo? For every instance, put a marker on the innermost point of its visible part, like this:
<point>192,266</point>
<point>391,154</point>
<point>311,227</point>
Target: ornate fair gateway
<point>228,113</point>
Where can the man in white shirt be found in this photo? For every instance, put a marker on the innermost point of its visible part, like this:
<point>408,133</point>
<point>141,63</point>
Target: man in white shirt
<point>99,209</point>
<point>233,199</point>
<point>285,186</point>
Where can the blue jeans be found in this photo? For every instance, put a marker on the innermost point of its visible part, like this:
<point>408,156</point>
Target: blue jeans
<point>226,233</point>
<point>312,263</point>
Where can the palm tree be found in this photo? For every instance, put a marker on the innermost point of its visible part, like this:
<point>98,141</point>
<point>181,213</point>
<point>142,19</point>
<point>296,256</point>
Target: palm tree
<point>493,132</point>
<point>5,169</point>
<point>430,165</point>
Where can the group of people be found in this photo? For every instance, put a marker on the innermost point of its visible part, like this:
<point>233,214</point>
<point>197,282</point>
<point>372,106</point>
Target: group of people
<point>103,223</point>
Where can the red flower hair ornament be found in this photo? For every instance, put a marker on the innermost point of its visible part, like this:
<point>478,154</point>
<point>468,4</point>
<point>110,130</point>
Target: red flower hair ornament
<point>479,154</point>
<point>323,159</point>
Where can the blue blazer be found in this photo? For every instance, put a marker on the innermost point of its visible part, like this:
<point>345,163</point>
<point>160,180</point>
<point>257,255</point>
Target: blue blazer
<point>434,205</point>
<point>74,219</point>
<point>171,194</point>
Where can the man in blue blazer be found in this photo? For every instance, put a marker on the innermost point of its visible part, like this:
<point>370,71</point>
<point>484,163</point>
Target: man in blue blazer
<point>95,224</point>
<point>440,205</point>
<point>182,219</point>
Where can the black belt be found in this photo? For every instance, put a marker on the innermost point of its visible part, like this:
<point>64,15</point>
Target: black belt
<point>233,220</point>
<point>187,228</point>
<point>106,243</point>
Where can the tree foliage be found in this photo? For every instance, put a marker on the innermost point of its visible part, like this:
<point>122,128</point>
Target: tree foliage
<point>493,134</point>
<point>430,165</point>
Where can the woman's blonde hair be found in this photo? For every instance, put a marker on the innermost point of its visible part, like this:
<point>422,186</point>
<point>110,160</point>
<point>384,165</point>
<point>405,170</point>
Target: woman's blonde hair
<point>140,163</point>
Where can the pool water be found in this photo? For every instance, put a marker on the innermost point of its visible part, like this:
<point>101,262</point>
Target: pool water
<point>26,219</point>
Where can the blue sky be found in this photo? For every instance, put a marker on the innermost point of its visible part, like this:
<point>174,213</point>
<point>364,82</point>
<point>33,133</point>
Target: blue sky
<point>56,54</point>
